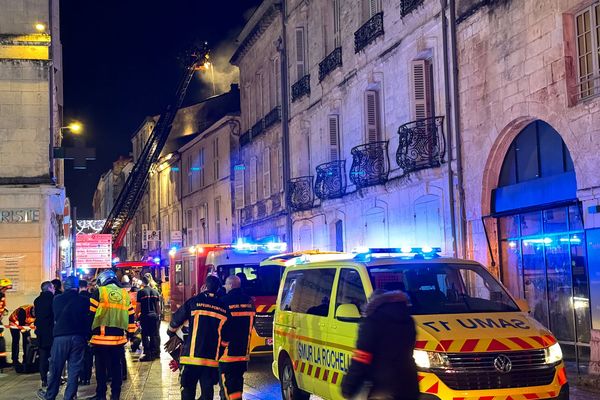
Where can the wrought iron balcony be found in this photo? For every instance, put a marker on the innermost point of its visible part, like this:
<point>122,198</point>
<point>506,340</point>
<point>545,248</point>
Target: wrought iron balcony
<point>331,180</point>
<point>301,88</point>
<point>367,33</point>
<point>370,164</point>
<point>273,117</point>
<point>261,209</point>
<point>422,144</point>
<point>330,63</point>
<point>245,138</point>
<point>247,214</point>
<point>258,128</point>
<point>408,6</point>
<point>300,193</point>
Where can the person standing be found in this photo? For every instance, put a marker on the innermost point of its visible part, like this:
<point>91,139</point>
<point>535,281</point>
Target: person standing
<point>236,339</point>
<point>88,358</point>
<point>44,324</point>
<point>5,284</point>
<point>148,310</point>
<point>20,323</point>
<point>57,286</point>
<point>71,330</point>
<point>206,315</point>
<point>383,358</point>
<point>113,318</point>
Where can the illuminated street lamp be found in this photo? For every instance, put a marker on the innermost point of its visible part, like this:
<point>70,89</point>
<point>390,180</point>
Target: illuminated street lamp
<point>75,127</point>
<point>40,27</point>
<point>65,243</point>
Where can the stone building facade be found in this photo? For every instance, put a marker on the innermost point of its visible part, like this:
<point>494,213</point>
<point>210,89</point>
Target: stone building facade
<point>109,187</point>
<point>529,80</point>
<point>258,166</point>
<point>32,195</point>
<point>367,126</point>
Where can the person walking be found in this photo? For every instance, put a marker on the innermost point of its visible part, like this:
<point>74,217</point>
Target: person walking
<point>383,363</point>
<point>44,324</point>
<point>20,322</point>
<point>5,284</point>
<point>236,339</point>
<point>113,318</point>
<point>206,315</point>
<point>148,311</point>
<point>88,358</point>
<point>71,330</point>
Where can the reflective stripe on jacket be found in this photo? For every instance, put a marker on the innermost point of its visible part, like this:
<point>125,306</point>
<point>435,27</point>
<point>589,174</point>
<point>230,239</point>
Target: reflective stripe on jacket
<point>22,318</point>
<point>238,329</point>
<point>113,316</point>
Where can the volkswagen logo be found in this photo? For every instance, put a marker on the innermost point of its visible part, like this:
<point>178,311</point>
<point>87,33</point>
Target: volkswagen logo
<point>502,364</point>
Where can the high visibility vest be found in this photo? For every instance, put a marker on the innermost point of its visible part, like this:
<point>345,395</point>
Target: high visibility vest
<point>113,307</point>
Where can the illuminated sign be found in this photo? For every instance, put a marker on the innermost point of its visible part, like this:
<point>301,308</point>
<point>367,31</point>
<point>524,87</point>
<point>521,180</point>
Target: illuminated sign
<point>19,215</point>
<point>94,250</point>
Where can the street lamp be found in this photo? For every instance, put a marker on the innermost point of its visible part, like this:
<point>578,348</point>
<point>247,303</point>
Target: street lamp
<point>75,127</point>
<point>40,27</point>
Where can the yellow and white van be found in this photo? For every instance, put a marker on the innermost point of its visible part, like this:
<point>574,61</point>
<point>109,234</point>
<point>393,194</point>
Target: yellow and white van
<point>474,340</point>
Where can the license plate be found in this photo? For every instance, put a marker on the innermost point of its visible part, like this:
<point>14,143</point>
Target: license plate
<point>269,342</point>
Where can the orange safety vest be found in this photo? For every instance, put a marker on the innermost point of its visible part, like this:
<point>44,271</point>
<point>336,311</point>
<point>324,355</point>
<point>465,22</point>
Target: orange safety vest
<point>13,319</point>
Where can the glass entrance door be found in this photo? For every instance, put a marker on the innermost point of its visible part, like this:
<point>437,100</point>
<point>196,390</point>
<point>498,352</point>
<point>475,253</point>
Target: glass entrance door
<point>543,260</point>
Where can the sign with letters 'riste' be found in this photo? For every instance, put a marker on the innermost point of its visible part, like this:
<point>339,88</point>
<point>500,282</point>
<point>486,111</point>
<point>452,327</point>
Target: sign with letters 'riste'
<point>19,215</point>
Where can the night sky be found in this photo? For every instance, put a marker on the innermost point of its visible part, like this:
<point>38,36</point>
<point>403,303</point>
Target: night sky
<point>122,62</point>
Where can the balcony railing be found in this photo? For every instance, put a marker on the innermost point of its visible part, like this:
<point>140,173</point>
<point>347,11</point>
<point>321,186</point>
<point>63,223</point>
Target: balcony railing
<point>261,209</point>
<point>245,138</point>
<point>330,63</point>
<point>367,33</point>
<point>258,128</point>
<point>300,194</point>
<point>331,180</point>
<point>370,164</point>
<point>408,6</point>
<point>301,88</point>
<point>273,117</point>
<point>247,214</point>
<point>422,144</point>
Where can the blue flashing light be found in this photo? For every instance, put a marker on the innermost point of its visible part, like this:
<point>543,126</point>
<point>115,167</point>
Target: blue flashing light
<point>273,247</point>
<point>195,169</point>
<point>173,251</point>
<point>116,260</point>
<point>239,167</point>
<point>366,254</point>
<point>175,169</point>
<point>156,260</point>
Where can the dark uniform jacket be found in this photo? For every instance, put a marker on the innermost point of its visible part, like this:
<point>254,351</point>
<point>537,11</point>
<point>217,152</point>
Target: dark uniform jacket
<point>238,328</point>
<point>206,315</point>
<point>384,351</point>
<point>71,315</point>
<point>44,318</point>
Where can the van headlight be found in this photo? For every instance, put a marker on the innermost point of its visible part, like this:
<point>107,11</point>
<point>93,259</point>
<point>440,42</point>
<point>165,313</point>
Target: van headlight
<point>430,359</point>
<point>553,354</point>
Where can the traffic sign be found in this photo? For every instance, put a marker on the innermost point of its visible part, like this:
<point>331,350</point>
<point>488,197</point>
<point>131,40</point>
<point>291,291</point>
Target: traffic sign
<point>94,250</point>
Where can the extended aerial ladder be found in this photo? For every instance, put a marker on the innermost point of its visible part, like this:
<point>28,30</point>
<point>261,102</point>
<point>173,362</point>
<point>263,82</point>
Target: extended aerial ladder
<point>130,197</point>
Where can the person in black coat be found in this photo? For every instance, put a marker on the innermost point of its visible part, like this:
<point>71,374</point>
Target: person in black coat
<point>383,357</point>
<point>44,324</point>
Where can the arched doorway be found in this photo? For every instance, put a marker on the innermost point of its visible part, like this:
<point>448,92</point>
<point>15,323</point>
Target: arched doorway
<point>542,239</point>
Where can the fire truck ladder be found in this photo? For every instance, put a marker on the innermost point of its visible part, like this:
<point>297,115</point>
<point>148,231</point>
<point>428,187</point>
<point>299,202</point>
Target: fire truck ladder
<point>130,197</point>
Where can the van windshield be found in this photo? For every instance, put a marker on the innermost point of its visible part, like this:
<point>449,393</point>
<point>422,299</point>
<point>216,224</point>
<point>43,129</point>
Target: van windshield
<point>440,288</point>
<point>256,280</point>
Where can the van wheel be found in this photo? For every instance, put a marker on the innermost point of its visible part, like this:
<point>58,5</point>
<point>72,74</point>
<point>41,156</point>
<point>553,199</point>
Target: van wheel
<point>289,387</point>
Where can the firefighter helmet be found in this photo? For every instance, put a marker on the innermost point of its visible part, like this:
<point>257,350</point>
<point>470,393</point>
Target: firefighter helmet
<point>5,283</point>
<point>107,277</point>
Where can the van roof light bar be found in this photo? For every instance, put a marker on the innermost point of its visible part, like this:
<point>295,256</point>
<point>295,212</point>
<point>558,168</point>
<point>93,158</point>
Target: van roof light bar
<point>403,252</point>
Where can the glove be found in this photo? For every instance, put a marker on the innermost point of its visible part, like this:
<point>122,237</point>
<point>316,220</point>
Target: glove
<point>173,344</point>
<point>173,365</point>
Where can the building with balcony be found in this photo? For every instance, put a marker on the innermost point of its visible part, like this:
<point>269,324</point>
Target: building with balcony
<point>260,208</point>
<point>369,154</point>
<point>32,195</point>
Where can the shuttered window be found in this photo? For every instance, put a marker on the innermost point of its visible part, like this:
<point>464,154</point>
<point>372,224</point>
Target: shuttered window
<point>266,173</point>
<point>258,98</point>
<point>373,131</point>
<point>300,53</point>
<point>422,90</point>
<point>337,24</point>
<point>201,166</point>
<point>190,174</point>
<point>216,172</point>
<point>587,25</point>
<point>253,171</point>
<point>370,8</point>
<point>239,187</point>
<point>334,137</point>
<point>218,218</point>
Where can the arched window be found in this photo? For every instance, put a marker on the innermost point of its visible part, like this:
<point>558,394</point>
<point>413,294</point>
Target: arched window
<point>537,152</point>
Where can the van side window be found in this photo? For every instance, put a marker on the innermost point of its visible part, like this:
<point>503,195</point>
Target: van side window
<point>308,291</point>
<point>350,289</point>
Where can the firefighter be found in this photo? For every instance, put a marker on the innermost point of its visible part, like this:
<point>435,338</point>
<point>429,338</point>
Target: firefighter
<point>383,363</point>
<point>206,315</point>
<point>5,284</point>
<point>21,322</point>
<point>236,339</point>
<point>113,318</point>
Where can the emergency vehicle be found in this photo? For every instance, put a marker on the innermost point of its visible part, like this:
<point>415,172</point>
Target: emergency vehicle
<point>191,265</point>
<point>474,340</point>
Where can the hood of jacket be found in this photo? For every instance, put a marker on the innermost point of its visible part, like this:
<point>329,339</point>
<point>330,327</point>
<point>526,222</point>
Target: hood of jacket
<point>394,303</point>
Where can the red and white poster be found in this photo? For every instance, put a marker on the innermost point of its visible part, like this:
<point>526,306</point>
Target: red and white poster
<point>94,250</point>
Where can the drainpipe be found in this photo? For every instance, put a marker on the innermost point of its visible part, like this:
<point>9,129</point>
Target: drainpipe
<point>449,129</point>
<point>456,126</point>
<point>285,128</point>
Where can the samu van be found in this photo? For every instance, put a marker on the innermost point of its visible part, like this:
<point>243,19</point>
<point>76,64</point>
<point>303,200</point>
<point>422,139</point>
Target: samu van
<point>474,341</point>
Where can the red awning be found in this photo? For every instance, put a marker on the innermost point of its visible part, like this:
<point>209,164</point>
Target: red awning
<point>135,264</point>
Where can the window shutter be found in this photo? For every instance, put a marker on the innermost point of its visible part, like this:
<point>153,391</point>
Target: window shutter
<point>253,171</point>
<point>421,89</point>
<point>372,117</point>
<point>267,173</point>
<point>300,53</point>
<point>216,159</point>
<point>373,7</point>
<point>239,188</point>
<point>334,137</point>
<point>337,28</point>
